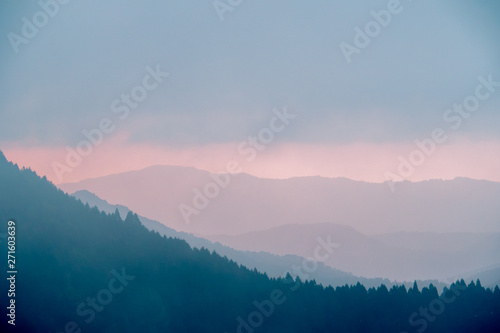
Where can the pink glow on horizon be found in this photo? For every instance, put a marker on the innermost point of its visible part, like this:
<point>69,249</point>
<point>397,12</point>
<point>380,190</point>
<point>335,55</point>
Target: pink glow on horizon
<point>358,161</point>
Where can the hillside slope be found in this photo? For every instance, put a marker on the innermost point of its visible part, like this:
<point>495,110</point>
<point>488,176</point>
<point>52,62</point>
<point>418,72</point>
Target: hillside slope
<point>79,268</point>
<point>272,265</point>
<point>433,255</point>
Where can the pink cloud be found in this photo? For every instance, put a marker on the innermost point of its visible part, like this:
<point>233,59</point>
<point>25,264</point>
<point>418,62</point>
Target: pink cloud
<point>359,161</point>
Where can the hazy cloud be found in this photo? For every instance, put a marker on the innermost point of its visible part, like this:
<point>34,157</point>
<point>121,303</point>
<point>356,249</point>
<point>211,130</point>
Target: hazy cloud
<point>225,76</point>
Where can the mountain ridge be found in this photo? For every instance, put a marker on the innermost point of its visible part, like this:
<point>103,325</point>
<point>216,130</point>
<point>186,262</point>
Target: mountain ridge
<point>271,264</point>
<point>440,256</point>
<point>253,204</point>
<point>174,166</point>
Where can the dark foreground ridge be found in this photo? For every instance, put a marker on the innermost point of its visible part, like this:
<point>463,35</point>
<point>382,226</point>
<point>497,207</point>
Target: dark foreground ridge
<point>81,270</point>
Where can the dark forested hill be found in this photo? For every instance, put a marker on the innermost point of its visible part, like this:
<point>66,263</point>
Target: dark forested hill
<point>81,270</point>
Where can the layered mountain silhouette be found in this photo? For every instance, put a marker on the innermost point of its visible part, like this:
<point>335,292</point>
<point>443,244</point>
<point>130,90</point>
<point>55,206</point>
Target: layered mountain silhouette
<point>274,265</point>
<point>433,255</point>
<point>448,228</point>
<point>80,269</point>
<point>249,204</point>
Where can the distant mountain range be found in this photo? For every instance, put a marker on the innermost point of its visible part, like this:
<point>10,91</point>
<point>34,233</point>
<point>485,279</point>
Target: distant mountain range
<point>273,265</point>
<point>399,256</point>
<point>249,204</point>
<point>422,231</point>
<point>374,259</point>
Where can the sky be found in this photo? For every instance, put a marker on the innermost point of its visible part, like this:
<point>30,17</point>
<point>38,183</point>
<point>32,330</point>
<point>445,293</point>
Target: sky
<point>286,88</point>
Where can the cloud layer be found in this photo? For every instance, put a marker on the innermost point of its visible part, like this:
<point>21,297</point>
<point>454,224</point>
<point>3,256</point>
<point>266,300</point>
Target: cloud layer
<point>226,77</point>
